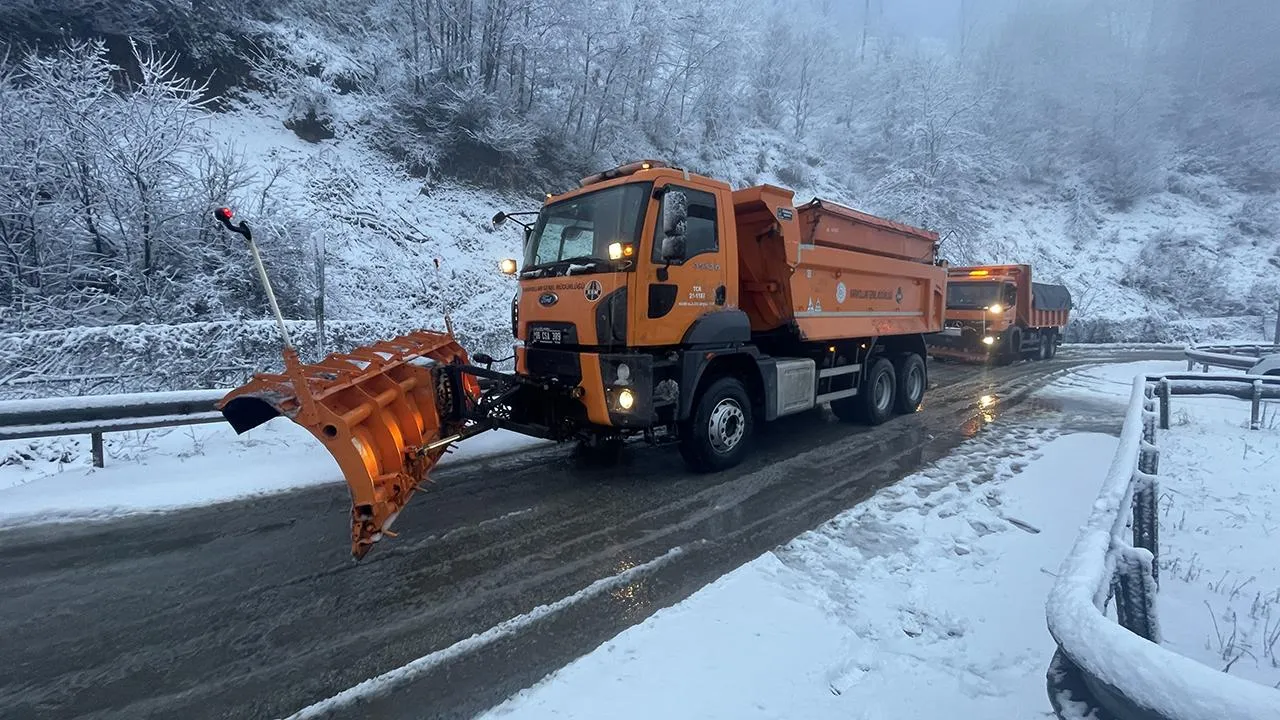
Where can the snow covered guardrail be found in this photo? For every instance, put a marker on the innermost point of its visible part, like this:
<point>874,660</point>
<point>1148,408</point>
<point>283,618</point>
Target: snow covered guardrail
<point>1238,357</point>
<point>97,414</point>
<point>1117,669</point>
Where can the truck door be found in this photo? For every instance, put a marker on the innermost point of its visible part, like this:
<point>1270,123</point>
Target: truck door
<point>673,297</point>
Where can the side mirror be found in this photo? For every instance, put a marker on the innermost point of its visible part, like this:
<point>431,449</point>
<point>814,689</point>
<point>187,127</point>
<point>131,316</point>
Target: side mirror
<point>673,248</point>
<point>675,211</point>
<point>499,219</point>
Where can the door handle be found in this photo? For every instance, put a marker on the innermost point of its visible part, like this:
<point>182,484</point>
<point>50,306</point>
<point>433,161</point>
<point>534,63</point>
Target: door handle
<point>720,295</point>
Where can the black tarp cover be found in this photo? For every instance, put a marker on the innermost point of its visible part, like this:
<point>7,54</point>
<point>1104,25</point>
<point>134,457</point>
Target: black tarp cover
<point>1050,297</point>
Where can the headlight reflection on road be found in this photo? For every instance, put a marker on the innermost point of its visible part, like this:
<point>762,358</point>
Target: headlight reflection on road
<point>633,597</point>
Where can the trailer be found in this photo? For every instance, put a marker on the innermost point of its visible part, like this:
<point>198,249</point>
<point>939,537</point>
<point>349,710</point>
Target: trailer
<point>651,301</point>
<point>997,313</point>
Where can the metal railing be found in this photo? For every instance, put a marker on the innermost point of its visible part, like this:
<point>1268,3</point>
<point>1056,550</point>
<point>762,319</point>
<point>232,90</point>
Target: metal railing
<point>1118,669</point>
<point>97,414</point>
<point>1237,357</point>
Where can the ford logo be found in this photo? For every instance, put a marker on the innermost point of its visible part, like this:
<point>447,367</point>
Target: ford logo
<point>547,299</point>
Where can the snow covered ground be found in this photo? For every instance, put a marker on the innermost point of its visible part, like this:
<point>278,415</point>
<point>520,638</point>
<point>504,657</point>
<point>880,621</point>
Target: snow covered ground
<point>52,480</point>
<point>1219,525</point>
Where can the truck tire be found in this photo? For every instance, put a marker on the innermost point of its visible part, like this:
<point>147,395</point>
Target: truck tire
<point>718,432</point>
<point>1045,348</point>
<point>875,399</point>
<point>911,381</point>
<point>1053,344</point>
<point>1012,351</point>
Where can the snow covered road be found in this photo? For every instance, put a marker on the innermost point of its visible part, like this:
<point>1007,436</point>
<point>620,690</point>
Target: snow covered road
<point>252,609</point>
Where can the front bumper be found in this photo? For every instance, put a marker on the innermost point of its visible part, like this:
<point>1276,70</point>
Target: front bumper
<point>609,394</point>
<point>967,345</point>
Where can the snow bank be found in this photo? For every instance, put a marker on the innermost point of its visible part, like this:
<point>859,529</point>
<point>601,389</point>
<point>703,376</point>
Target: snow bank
<point>1168,684</point>
<point>923,602</point>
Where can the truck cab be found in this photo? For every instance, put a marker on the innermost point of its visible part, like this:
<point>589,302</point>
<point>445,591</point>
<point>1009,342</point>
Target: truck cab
<point>617,276</point>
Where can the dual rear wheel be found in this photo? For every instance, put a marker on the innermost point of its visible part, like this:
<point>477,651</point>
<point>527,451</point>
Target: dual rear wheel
<point>888,387</point>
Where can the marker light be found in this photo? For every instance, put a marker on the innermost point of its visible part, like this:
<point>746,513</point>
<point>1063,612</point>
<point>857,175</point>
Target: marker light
<point>626,400</point>
<point>507,266</point>
<point>978,273</point>
<point>225,213</point>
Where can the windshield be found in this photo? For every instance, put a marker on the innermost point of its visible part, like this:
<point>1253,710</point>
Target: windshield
<point>582,228</point>
<point>972,295</point>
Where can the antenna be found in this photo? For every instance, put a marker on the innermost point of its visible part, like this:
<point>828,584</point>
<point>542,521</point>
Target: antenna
<point>444,303</point>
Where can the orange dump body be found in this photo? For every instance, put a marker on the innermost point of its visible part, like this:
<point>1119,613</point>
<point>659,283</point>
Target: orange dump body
<point>834,272</point>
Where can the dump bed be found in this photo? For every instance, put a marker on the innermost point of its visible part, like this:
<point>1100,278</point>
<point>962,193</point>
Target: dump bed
<point>826,224</point>
<point>832,272</point>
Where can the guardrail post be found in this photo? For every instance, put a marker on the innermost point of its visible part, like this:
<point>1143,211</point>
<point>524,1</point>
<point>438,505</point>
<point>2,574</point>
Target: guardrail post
<point>1165,393</point>
<point>1191,364</point>
<point>1133,587</point>
<point>1254,410</point>
<point>99,456</point>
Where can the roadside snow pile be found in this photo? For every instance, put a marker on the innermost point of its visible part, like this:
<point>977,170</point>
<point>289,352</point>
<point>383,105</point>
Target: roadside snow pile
<point>926,601</point>
<point>51,480</point>
<point>1219,599</point>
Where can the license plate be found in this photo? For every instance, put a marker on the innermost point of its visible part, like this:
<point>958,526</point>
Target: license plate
<point>953,332</point>
<point>547,335</point>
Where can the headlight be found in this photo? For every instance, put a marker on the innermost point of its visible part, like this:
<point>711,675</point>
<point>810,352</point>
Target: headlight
<point>997,308</point>
<point>624,374</point>
<point>988,340</point>
<point>626,400</point>
<point>507,266</point>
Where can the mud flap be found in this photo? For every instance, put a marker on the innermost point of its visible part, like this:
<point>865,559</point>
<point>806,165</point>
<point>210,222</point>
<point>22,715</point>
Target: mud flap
<point>386,412</point>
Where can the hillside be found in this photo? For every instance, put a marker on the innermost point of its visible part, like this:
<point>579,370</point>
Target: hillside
<point>366,140</point>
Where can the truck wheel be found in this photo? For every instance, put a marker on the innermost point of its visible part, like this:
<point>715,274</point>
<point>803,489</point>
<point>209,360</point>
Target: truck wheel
<point>1053,344</point>
<point>1012,350</point>
<point>1046,344</point>
<point>874,402</point>
<point>716,436</point>
<point>911,377</point>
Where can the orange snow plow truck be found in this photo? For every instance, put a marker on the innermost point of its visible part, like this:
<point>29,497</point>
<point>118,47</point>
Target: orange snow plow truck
<point>652,301</point>
<point>996,312</point>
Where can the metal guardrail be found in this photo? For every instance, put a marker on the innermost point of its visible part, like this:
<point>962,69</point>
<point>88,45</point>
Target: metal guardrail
<point>1117,669</point>
<point>1237,357</point>
<point>97,414</point>
<point>94,415</point>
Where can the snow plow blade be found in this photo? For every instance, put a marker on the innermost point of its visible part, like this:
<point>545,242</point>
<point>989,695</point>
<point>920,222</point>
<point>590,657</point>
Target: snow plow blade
<point>386,412</point>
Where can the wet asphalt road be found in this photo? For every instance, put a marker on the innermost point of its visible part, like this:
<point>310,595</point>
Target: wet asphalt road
<point>254,609</point>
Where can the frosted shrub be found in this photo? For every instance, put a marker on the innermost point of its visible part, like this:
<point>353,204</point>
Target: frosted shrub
<point>311,114</point>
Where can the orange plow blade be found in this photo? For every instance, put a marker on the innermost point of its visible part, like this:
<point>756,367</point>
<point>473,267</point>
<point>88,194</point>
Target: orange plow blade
<point>386,412</point>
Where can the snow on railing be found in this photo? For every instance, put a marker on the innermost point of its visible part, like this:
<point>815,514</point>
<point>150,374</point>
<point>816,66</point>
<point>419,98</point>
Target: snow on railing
<point>1119,667</point>
<point>1237,356</point>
